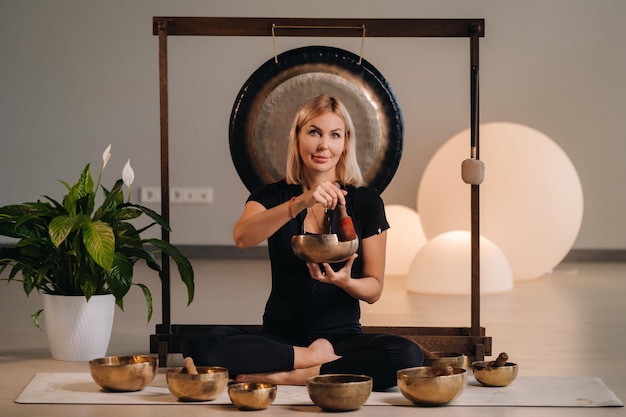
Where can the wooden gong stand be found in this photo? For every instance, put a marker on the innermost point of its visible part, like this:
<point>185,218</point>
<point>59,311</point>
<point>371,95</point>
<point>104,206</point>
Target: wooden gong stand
<point>468,340</point>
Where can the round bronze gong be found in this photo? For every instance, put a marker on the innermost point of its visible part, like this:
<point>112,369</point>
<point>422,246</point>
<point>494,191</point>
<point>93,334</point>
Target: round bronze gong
<point>267,103</point>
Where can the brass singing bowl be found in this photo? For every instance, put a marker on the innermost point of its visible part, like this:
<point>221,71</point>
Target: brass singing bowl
<point>428,385</point>
<point>443,359</point>
<point>339,392</point>
<point>494,376</point>
<point>123,373</point>
<point>323,248</point>
<point>252,395</point>
<point>206,385</point>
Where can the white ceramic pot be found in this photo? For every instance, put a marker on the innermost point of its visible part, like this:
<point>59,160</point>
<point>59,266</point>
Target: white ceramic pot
<point>78,330</point>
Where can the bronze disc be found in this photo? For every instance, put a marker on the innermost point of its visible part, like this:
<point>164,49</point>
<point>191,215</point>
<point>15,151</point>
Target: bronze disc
<point>267,103</point>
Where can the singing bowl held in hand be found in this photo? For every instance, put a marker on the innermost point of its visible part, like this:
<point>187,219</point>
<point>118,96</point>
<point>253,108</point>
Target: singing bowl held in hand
<point>315,248</point>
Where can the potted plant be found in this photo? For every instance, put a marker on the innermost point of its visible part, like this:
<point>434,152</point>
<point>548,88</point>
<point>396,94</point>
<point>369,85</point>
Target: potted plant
<point>71,248</point>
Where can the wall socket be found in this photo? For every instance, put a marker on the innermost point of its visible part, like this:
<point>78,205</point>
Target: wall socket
<point>178,195</point>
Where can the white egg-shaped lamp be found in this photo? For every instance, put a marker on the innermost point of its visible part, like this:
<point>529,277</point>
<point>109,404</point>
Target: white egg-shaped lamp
<point>443,266</point>
<point>405,237</point>
<point>531,198</point>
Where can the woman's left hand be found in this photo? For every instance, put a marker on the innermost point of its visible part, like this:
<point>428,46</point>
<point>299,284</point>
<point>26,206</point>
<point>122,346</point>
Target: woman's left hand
<point>368,287</point>
<point>339,278</point>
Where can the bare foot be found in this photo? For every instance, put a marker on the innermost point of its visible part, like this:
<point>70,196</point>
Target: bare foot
<point>317,353</point>
<point>307,363</point>
<point>295,377</point>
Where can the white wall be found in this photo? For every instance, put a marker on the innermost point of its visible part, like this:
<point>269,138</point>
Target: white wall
<point>76,75</point>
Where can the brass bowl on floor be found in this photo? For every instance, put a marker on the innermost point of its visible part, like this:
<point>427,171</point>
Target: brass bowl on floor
<point>123,373</point>
<point>339,392</point>
<point>494,376</point>
<point>206,385</point>
<point>443,359</point>
<point>252,395</point>
<point>428,385</point>
<point>323,248</point>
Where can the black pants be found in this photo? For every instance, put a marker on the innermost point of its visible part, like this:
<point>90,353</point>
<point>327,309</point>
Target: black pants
<point>241,352</point>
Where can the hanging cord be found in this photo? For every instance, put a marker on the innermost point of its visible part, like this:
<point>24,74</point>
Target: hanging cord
<point>275,26</point>
<point>473,169</point>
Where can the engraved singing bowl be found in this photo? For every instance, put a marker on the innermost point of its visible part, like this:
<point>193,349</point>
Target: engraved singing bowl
<point>206,385</point>
<point>428,385</point>
<point>494,376</point>
<point>123,373</point>
<point>323,248</point>
<point>443,359</point>
<point>252,395</point>
<point>339,392</point>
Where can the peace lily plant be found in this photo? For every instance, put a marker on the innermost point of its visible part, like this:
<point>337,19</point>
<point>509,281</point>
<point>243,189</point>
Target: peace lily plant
<point>73,248</point>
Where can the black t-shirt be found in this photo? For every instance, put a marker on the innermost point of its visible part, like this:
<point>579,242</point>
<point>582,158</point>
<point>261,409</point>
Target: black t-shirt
<point>298,305</point>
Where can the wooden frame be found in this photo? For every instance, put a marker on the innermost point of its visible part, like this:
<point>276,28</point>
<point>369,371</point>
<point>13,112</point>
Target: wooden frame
<point>472,340</point>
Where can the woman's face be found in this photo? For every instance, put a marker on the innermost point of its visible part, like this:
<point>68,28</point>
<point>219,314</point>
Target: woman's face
<point>322,142</point>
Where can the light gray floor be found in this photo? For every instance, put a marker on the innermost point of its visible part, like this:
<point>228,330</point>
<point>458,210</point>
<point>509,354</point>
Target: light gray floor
<point>568,323</point>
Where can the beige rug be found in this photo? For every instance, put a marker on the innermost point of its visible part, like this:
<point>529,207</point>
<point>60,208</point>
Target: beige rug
<point>79,388</point>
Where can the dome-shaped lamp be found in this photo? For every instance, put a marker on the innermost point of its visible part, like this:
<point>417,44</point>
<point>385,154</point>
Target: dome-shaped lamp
<point>443,266</point>
<point>405,237</point>
<point>531,199</point>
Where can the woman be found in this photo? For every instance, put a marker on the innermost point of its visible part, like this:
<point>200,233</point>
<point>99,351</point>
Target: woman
<point>311,321</point>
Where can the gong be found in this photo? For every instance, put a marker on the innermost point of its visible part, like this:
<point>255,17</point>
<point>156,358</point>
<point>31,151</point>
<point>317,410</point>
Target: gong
<point>269,100</point>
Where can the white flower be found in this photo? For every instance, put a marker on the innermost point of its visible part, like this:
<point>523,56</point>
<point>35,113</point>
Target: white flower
<point>128,175</point>
<point>105,156</point>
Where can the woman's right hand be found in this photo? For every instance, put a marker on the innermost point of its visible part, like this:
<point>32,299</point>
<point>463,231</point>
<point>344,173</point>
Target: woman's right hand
<point>327,193</point>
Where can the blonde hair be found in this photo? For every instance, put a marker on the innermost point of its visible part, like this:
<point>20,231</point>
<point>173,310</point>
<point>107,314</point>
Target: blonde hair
<point>348,171</point>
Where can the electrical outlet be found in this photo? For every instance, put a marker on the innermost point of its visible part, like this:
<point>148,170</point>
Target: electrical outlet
<point>150,194</point>
<point>179,195</point>
<point>202,195</point>
<point>176,195</point>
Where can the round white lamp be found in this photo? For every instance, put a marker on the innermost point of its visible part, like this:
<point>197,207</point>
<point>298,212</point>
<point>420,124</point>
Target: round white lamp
<point>405,237</point>
<point>531,199</point>
<point>443,266</point>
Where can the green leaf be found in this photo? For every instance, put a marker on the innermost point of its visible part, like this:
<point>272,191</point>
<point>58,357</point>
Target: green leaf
<point>83,188</point>
<point>112,200</point>
<point>119,277</point>
<point>58,205</point>
<point>138,252</point>
<point>84,205</point>
<point>61,227</point>
<point>184,266</point>
<point>14,211</point>
<point>127,213</point>
<point>89,285</point>
<point>99,240</point>
<point>148,296</point>
<point>152,214</point>
<point>35,318</point>
<point>11,230</point>
<point>127,236</point>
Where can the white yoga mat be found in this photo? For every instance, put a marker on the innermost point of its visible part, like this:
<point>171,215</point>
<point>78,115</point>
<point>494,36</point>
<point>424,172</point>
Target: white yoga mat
<point>79,388</point>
